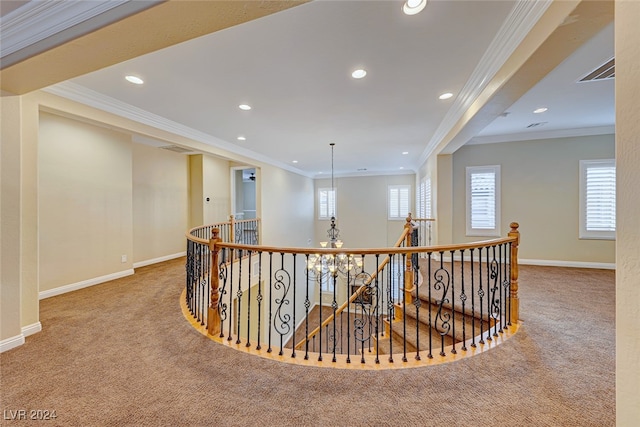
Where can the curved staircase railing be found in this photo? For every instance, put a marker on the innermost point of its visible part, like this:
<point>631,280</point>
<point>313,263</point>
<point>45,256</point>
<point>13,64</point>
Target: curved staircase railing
<point>376,305</point>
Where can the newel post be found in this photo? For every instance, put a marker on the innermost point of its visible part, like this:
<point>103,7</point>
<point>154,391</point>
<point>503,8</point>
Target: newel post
<point>232,236</point>
<point>514,302</point>
<point>213,317</point>
<point>408,273</point>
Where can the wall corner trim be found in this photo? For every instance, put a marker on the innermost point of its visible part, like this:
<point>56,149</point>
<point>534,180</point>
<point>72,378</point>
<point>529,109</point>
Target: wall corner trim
<point>84,284</point>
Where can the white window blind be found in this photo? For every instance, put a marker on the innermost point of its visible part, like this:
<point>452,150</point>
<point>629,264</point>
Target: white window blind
<point>597,199</point>
<point>483,201</point>
<point>326,203</point>
<point>424,197</point>
<point>398,201</point>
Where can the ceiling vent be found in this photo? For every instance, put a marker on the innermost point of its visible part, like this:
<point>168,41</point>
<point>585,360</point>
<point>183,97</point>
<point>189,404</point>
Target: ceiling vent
<point>604,72</point>
<point>176,149</point>
<point>535,125</point>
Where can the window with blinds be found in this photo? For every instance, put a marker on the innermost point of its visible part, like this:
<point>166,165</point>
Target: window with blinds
<point>326,203</point>
<point>483,200</point>
<point>398,201</point>
<point>423,198</point>
<point>597,199</point>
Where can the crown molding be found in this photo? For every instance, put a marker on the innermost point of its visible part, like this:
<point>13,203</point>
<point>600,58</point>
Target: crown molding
<point>38,20</point>
<point>111,105</point>
<point>547,134</point>
<point>524,15</point>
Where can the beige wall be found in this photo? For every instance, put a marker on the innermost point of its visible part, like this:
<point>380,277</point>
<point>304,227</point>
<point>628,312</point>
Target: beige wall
<point>627,34</point>
<point>160,202</point>
<point>540,190</point>
<point>216,185</point>
<point>10,261</point>
<point>362,210</point>
<point>286,206</point>
<point>209,178</point>
<point>19,220</point>
<point>85,201</point>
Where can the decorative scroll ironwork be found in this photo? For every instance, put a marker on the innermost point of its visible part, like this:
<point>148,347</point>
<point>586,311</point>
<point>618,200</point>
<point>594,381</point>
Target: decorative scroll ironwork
<point>442,321</point>
<point>495,299</point>
<point>281,321</point>
<point>222,290</point>
<point>470,292</point>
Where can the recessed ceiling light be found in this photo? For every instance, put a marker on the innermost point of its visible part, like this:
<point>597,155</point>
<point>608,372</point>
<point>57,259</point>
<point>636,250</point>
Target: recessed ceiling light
<point>358,74</point>
<point>134,79</point>
<point>412,7</point>
<point>295,161</point>
<point>242,138</point>
<point>244,107</point>
<point>540,110</point>
<point>445,95</point>
<point>405,152</point>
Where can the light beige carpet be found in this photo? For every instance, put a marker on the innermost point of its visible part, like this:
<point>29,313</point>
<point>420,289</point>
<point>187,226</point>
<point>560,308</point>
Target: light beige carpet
<point>121,354</point>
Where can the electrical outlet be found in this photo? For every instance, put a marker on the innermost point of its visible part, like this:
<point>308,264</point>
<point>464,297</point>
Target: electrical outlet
<point>124,258</point>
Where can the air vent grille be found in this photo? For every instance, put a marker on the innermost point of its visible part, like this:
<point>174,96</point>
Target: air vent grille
<point>603,72</point>
<point>176,149</point>
<point>535,125</point>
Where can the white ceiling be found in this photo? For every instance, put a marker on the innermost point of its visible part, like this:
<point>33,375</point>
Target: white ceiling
<point>294,67</point>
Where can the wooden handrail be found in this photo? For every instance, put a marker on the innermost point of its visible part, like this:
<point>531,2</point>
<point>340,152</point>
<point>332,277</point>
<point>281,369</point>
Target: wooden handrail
<point>369,251</point>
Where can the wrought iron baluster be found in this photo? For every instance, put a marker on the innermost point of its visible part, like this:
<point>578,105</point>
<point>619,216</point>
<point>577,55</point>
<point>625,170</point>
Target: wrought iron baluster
<point>239,297</point>
<point>334,305</point>
<point>349,318</point>
<point>481,295</point>
<point>258,347</point>
<point>249,260</point>
<point>453,301</point>
<point>282,319</point>
<point>495,302</point>
<point>222,291</point>
<point>307,304</point>
<point>293,347</point>
<point>443,320</point>
<point>463,298</point>
<point>500,284</point>
<point>488,296</point>
<point>377,311</point>
<point>430,355</point>
<point>229,338</point>
<point>473,304</point>
<point>417,302</point>
<point>509,283</point>
<point>320,322</point>
<point>269,349</point>
<point>390,308</point>
<point>404,309</point>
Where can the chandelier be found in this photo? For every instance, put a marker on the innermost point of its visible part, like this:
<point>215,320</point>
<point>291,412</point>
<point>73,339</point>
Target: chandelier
<point>323,265</point>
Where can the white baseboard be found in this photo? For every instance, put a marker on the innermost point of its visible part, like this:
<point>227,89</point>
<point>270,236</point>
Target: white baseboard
<point>13,342</point>
<point>84,284</point>
<point>576,264</point>
<point>34,328</point>
<point>160,259</point>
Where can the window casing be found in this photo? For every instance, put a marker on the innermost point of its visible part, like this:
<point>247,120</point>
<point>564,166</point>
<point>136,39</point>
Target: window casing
<point>398,201</point>
<point>423,199</point>
<point>598,199</point>
<point>483,200</point>
<point>326,203</point>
